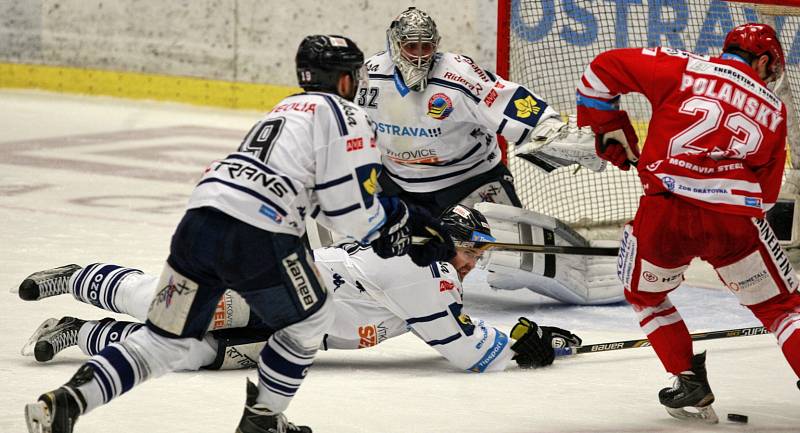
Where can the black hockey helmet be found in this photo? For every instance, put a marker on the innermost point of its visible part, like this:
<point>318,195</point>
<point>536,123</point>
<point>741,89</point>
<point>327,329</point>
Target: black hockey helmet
<point>465,224</point>
<point>321,59</point>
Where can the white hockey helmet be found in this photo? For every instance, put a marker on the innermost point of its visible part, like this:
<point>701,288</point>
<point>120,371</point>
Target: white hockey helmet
<point>412,41</point>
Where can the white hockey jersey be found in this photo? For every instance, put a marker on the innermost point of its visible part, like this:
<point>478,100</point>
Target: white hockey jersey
<point>313,154</point>
<point>376,299</point>
<point>445,134</point>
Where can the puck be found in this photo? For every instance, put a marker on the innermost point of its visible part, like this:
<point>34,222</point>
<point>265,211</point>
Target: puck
<point>735,417</point>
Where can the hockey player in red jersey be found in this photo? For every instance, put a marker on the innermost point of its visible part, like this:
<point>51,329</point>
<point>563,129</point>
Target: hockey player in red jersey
<point>712,166</point>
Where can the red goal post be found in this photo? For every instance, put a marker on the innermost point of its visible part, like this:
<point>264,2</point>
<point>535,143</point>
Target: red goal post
<point>546,45</point>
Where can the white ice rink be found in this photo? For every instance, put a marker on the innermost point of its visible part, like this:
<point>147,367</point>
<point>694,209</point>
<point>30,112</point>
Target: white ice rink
<point>96,179</point>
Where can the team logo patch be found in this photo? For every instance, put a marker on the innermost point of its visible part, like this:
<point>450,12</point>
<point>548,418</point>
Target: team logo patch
<point>649,277</point>
<point>490,98</point>
<point>440,106</point>
<point>172,301</point>
<point>525,107</point>
<point>367,178</point>
<point>752,201</point>
<point>669,183</point>
<point>445,285</point>
<point>270,213</point>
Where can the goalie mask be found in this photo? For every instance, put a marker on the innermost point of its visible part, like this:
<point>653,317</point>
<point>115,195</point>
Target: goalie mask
<point>412,41</point>
<point>464,224</point>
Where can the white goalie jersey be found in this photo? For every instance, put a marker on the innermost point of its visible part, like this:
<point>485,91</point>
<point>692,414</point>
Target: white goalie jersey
<point>376,299</point>
<point>314,154</point>
<point>445,134</point>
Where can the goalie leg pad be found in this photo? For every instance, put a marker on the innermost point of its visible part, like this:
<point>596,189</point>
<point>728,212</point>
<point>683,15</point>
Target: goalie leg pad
<point>582,280</point>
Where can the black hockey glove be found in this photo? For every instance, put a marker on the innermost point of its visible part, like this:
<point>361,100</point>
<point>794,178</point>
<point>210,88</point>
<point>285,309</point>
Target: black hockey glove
<point>561,338</point>
<point>533,347</point>
<point>439,248</point>
<point>395,234</point>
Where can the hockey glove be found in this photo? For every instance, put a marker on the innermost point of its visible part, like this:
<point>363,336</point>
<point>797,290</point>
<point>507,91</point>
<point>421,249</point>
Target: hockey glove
<point>616,141</point>
<point>439,248</point>
<point>533,347</point>
<point>395,234</point>
<point>561,338</point>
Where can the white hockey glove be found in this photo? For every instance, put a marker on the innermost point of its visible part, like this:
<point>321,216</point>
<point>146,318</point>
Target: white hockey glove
<point>572,279</point>
<point>557,144</point>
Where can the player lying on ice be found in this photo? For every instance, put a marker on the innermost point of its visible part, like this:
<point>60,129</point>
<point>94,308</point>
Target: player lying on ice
<point>712,166</point>
<point>374,299</point>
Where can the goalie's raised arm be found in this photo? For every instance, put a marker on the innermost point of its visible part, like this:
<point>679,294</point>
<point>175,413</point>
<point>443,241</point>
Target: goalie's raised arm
<point>555,144</point>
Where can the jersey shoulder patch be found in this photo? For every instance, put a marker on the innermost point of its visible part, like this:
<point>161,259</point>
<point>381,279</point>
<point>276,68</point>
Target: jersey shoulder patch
<point>461,73</point>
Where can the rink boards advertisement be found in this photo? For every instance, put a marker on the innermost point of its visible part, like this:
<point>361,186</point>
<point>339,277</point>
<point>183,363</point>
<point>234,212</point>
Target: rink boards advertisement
<point>697,25</point>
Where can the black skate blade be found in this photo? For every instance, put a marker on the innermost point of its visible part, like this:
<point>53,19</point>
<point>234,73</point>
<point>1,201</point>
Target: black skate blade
<point>37,417</point>
<point>705,415</point>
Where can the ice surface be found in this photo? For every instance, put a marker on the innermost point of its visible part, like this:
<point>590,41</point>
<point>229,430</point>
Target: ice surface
<point>97,179</point>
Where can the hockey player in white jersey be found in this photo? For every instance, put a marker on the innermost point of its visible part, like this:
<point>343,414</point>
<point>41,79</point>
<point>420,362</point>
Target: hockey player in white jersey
<point>374,300</point>
<point>314,153</point>
<point>438,116</point>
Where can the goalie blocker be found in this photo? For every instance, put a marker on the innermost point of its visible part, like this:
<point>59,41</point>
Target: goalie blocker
<point>572,279</point>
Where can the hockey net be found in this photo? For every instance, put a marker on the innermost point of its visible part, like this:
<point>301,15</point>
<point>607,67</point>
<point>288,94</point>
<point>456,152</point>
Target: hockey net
<point>546,45</point>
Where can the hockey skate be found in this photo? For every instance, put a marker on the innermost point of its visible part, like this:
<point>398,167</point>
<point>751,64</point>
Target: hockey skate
<point>691,389</point>
<point>57,411</point>
<point>47,283</point>
<point>258,419</point>
<point>51,337</point>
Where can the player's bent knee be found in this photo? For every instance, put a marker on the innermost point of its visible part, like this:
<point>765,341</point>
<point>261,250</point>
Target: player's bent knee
<point>655,279</point>
<point>165,354</point>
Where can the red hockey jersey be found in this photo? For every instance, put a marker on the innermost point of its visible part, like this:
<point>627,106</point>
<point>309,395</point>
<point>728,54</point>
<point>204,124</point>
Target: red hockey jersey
<point>717,134</point>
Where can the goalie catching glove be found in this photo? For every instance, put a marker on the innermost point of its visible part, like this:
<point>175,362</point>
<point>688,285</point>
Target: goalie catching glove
<point>535,344</point>
<point>557,144</point>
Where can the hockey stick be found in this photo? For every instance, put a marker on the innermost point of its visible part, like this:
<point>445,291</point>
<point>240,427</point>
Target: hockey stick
<point>630,344</point>
<point>531,248</point>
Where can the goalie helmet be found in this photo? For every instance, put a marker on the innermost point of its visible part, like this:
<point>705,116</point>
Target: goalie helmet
<point>321,59</point>
<point>757,39</point>
<point>465,224</point>
<point>412,41</point>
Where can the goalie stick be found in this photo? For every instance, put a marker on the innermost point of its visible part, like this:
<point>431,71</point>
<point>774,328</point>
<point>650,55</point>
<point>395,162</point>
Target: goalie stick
<point>530,248</point>
<point>630,344</point>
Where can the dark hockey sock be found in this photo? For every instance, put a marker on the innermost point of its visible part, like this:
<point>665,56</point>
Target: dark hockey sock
<point>97,284</point>
<point>96,335</point>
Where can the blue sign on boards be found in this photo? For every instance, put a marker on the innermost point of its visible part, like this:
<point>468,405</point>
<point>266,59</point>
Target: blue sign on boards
<point>667,23</point>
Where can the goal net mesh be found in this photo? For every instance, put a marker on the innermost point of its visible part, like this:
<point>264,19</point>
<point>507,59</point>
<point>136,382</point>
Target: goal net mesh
<point>552,41</point>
